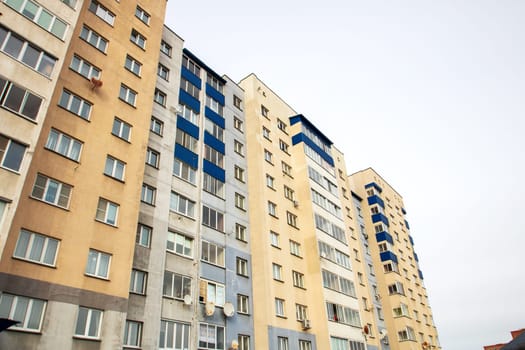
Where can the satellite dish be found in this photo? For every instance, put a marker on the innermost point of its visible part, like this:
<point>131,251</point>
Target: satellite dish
<point>210,308</point>
<point>228,309</point>
<point>383,332</point>
<point>187,299</point>
<point>235,344</point>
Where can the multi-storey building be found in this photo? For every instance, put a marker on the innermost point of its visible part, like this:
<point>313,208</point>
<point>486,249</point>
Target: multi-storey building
<point>406,311</point>
<point>65,268</point>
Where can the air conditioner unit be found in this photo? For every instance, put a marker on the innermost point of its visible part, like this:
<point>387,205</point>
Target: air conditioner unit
<point>295,204</point>
<point>365,235</point>
<point>306,324</point>
<point>378,296</point>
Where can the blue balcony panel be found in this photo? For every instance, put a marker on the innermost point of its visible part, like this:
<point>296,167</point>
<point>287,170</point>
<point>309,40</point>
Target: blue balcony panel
<point>213,142</point>
<point>380,218</point>
<point>300,137</point>
<point>416,257</point>
<point>188,127</point>
<point>411,239</point>
<point>214,117</point>
<point>189,101</point>
<point>213,170</point>
<point>192,78</point>
<point>404,211</point>
<point>420,274</point>
<point>384,236</point>
<point>375,199</point>
<point>216,95</point>
<point>374,185</point>
<point>388,255</point>
<point>407,225</point>
<point>187,156</point>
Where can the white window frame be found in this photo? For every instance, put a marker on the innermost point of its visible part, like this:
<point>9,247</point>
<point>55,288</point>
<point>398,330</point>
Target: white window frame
<point>138,282</point>
<point>115,168</point>
<point>160,97</point>
<point>128,95</point>
<point>213,218</point>
<point>38,15</point>
<point>243,304</point>
<point>103,214</point>
<point>90,317</point>
<point>17,306</point>
<point>142,15</point>
<point>239,173</point>
<point>241,266</point>
<point>163,72</point>
<point>215,293</point>
<point>63,144</point>
<point>120,129</point>
<point>94,39</point>
<point>240,232</point>
<point>52,191</point>
<point>298,279</point>
<point>70,101</point>
<point>36,248</point>
<point>174,328</point>
<point>156,126</point>
<point>240,201</point>
<point>152,158</point>
<point>100,269</point>
<point>277,272</point>
<point>102,12</point>
<point>148,194</point>
<point>180,244</point>
<point>132,334</point>
<point>185,285</point>
<point>182,205</point>
<point>84,68</point>
<point>184,171</point>
<point>208,332</point>
<point>133,65</point>
<point>213,253</point>
<point>143,237</point>
<point>138,39</point>
<point>165,48</point>
<point>280,310</point>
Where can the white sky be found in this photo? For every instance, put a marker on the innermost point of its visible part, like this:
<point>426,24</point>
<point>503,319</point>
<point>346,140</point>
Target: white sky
<point>428,93</point>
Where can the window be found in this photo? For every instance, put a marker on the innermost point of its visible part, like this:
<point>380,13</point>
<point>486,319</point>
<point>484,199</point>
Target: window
<point>281,125</point>
<point>148,194</point>
<point>191,89</point>
<point>277,271</point>
<point>132,334</point>
<point>152,158</point>
<point>70,3</point>
<point>182,205</point>
<point>214,105</point>
<point>244,342</point>
<point>287,169</point>
<point>163,72</point>
<point>165,48</point>
<point>138,39</point>
<point>238,124</point>
<point>214,82</point>
<point>213,156</point>
<point>143,235</point>
<point>142,15</point>
<point>212,218</point>
<point>355,345</point>
<point>212,253</point>
<point>184,171</point>
<point>282,343</point>
<point>214,129</point>
<point>188,114</point>
<point>98,264</point>
<point>88,323</point>
<point>342,314</point>
<point>298,279</point>
<point>191,66</point>
<point>40,16</point>
<point>102,12</point>
<point>175,285</point>
<point>25,52</point>
<point>268,156</point>
<point>239,173</point>
<point>401,310</point>
<point>283,146</point>
<point>380,313</point>
<point>291,219</point>
<point>237,102</point>
<point>366,307</point>
<point>186,140</point>
<point>156,126</point>
<point>272,209</point>
<point>19,100</point>
<point>94,39</point>
<point>240,201</point>
<point>390,267</point>
<point>295,248</point>
<point>242,267</point>
<point>211,292</point>
<point>406,334</point>
<point>75,104</point>
<point>264,111</point>
<point>160,97</point>
<point>84,68</point>
<point>396,288</point>
<point>240,232</point>
<point>114,168</point>
<point>211,337</point>
<point>133,65</point>
<point>279,311</point>
<point>274,239</point>
<point>306,345</point>
<point>174,335</point>
<point>107,212</point>
<point>301,312</point>
<point>242,304</point>
<point>51,191</point>
<point>11,153</point>
<point>270,181</point>
<point>127,95</point>
<point>36,248</point>
<point>238,147</point>
<point>338,283</point>
<point>28,311</point>
<point>266,133</point>
<point>289,193</point>
<point>180,244</point>
<point>138,281</point>
<point>121,129</point>
<point>213,185</point>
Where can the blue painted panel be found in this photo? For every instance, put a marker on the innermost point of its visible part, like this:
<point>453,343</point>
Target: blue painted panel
<point>388,255</point>
<point>420,274</point>
<point>213,170</point>
<point>384,236</point>
<point>374,185</point>
<point>189,101</point>
<point>188,127</point>
<point>376,200</point>
<point>404,211</point>
<point>292,335</point>
<point>300,137</point>
<point>214,143</point>
<point>407,225</point>
<point>416,257</point>
<point>192,78</point>
<point>301,118</point>
<point>411,239</point>
<point>380,218</point>
<point>216,95</point>
<point>187,156</point>
<point>214,117</point>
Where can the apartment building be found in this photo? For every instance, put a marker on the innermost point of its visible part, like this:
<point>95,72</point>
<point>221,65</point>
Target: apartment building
<point>65,268</point>
<point>400,285</point>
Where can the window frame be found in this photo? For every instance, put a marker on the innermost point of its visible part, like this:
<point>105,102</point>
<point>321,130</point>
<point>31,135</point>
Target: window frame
<point>27,247</point>
<point>97,273</point>
<point>15,304</point>
<point>88,320</point>
<point>61,190</point>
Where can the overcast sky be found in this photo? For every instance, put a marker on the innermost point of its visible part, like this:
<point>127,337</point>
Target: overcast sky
<point>432,96</point>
